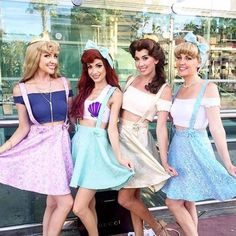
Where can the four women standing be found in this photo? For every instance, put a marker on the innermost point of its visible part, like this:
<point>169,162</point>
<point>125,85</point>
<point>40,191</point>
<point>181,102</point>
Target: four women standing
<point>37,156</point>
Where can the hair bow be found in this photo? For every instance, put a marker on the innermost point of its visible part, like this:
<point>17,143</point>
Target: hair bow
<point>103,51</point>
<point>202,47</point>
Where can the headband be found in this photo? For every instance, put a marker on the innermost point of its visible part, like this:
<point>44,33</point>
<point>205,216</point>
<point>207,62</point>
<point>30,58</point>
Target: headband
<point>103,51</point>
<point>45,38</point>
<point>202,47</point>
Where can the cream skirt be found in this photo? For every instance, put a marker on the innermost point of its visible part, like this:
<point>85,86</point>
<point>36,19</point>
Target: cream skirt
<point>138,145</point>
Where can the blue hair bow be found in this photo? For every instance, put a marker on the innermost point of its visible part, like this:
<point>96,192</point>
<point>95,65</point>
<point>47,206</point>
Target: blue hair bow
<point>202,47</point>
<point>103,51</point>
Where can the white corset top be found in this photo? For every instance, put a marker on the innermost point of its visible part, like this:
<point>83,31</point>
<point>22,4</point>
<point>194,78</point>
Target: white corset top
<point>92,107</point>
<point>182,110</point>
<point>137,102</point>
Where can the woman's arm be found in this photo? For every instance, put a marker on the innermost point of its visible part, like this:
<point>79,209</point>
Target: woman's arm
<point>162,133</point>
<point>115,105</point>
<point>24,125</point>
<point>217,129</point>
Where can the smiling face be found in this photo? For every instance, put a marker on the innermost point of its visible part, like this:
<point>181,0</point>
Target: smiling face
<point>187,66</point>
<point>97,71</point>
<point>48,62</point>
<point>145,63</point>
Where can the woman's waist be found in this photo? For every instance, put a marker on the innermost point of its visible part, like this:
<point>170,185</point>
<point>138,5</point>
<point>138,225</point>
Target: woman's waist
<point>134,116</point>
<point>53,123</point>
<point>81,127</point>
<point>91,123</point>
<point>186,131</point>
<point>132,125</point>
<point>61,125</point>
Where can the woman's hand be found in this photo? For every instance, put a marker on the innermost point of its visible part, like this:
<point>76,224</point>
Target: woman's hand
<point>127,163</point>
<point>170,170</point>
<point>232,170</point>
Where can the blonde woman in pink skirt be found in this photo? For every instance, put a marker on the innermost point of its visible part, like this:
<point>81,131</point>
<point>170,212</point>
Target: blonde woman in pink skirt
<point>37,157</point>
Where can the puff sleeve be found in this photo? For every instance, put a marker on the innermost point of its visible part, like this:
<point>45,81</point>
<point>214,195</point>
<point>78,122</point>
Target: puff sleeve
<point>18,99</point>
<point>211,102</point>
<point>163,105</point>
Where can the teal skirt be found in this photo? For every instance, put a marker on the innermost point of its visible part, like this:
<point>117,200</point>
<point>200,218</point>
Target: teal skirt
<point>95,165</point>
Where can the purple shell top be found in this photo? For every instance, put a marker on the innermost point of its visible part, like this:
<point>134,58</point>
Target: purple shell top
<point>94,108</point>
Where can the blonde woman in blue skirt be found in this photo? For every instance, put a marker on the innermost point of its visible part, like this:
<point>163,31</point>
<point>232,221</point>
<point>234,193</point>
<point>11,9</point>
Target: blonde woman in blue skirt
<point>95,145</point>
<point>200,175</point>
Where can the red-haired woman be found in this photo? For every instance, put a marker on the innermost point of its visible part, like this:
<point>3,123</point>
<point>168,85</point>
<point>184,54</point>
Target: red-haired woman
<point>98,161</point>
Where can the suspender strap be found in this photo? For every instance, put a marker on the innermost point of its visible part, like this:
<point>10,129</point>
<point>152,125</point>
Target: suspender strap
<point>103,106</point>
<point>197,105</point>
<point>176,93</point>
<point>27,104</point>
<point>129,82</point>
<point>150,109</point>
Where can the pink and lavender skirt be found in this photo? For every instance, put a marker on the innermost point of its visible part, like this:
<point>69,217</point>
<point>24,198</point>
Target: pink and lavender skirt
<point>41,162</point>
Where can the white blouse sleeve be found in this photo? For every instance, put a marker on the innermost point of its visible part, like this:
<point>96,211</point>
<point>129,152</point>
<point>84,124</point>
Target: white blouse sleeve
<point>163,105</point>
<point>211,102</point>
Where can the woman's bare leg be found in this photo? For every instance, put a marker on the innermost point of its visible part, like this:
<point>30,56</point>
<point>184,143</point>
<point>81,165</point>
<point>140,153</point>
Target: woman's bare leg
<point>128,199</point>
<point>84,200</point>
<point>55,214</point>
<point>183,217</point>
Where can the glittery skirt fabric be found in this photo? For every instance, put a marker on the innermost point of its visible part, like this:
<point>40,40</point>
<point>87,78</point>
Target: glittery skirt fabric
<point>138,145</point>
<point>200,175</point>
<point>41,162</point>
<point>96,166</point>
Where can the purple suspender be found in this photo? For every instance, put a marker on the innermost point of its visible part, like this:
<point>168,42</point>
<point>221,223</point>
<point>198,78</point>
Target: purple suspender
<point>27,104</point>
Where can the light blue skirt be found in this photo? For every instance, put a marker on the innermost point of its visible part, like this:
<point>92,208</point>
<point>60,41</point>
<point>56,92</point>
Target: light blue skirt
<point>95,165</point>
<point>200,175</point>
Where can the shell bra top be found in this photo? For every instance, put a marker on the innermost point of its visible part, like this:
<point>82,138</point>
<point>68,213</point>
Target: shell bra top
<point>92,107</point>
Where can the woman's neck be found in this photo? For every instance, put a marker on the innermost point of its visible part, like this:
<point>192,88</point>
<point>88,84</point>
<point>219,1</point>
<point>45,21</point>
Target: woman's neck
<point>190,81</point>
<point>42,77</point>
<point>145,79</point>
<point>99,86</point>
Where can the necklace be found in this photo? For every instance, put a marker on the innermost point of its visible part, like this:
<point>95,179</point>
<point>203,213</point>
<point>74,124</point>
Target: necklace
<point>42,90</point>
<point>191,84</point>
<point>43,94</point>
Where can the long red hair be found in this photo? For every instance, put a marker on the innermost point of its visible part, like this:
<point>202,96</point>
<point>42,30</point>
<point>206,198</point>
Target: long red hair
<point>85,85</point>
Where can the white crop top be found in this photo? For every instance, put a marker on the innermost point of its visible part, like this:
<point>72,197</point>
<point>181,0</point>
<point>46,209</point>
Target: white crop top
<point>182,109</point>
<point>137,102</point>
<point>92,107</point>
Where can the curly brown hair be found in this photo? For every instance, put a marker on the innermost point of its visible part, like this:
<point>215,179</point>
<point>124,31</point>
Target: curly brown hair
<point>154,50</point>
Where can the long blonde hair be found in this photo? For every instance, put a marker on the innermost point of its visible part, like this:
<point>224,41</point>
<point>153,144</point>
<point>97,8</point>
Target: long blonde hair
<point>32,58</point>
